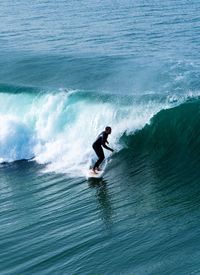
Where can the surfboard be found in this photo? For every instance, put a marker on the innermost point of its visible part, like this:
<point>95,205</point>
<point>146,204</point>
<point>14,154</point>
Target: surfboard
<point>91,174</point>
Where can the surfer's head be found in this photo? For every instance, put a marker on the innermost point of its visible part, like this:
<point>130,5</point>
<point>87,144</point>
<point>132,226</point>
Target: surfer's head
<point>108,129</point>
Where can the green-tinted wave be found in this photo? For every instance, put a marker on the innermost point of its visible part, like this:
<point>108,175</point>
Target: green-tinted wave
<point>171,131</point>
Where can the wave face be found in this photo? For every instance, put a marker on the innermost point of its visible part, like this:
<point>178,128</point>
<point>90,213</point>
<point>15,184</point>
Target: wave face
<point>169,132</point>
<point>58,128</point>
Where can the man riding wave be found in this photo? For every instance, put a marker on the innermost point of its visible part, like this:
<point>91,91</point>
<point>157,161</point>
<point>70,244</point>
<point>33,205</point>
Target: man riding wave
<point>97,146</point>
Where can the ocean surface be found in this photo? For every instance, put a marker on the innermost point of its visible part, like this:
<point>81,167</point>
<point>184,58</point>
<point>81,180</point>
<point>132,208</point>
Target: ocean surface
<point>67,70</point>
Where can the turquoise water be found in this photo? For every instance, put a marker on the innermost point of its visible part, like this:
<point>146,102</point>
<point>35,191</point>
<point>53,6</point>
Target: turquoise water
<point>68,69</point>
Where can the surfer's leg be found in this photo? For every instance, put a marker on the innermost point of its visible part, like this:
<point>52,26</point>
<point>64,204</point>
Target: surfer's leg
<point>100,154</point>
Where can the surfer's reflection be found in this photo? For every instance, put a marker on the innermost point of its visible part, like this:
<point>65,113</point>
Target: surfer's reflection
<point>103,199</point>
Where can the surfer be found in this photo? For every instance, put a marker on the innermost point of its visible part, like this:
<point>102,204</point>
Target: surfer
<point>97,146</point>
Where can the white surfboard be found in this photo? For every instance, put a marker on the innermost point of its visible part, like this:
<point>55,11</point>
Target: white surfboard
<point>90,173</point>
<point>97,175</point>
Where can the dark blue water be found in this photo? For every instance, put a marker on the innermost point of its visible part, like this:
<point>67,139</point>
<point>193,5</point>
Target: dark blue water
<point>68,69</point>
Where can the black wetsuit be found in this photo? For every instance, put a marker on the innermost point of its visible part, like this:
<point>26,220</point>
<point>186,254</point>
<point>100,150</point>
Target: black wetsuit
<point>100,141</point>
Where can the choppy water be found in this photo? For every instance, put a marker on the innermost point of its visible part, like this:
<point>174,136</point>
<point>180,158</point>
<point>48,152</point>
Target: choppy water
<point>68,69</point>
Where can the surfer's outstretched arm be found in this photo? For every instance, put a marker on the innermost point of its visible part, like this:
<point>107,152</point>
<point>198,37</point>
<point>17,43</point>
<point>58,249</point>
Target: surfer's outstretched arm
<point>108,148</point>
<point>104,141</point>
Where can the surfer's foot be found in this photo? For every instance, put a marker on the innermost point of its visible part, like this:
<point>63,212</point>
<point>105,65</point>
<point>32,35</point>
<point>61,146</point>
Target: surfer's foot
<point>98,169</point>
<point>94,171</point>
